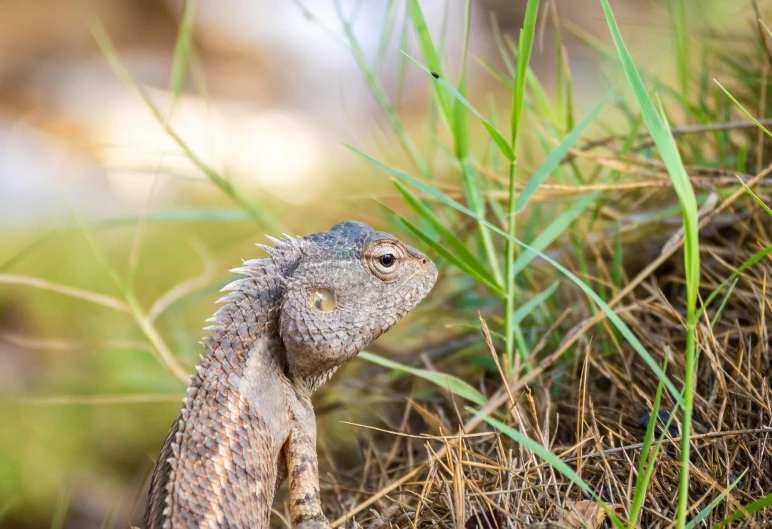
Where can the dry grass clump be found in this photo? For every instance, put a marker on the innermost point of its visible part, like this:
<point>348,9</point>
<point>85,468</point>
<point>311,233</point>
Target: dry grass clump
<point>438,466</point>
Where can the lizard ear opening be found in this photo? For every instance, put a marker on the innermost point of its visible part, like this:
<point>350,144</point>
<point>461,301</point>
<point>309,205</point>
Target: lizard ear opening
<point>317,333</point>
<point>322,299</point>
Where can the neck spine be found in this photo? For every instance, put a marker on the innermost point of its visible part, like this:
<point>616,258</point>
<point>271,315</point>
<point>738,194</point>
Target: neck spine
<point>252,306</point>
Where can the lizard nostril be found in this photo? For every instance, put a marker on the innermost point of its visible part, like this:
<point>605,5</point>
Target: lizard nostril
<point>423,261</point>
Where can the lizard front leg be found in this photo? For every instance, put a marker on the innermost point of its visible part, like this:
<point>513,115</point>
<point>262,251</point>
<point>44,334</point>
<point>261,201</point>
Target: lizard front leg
<point>303,470</point>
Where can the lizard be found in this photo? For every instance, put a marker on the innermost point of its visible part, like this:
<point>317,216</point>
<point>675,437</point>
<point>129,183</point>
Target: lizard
<point>285,327</point>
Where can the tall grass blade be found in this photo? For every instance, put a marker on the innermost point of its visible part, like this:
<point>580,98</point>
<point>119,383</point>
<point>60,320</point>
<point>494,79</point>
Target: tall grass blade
<point>648,456</point>
<point>755,197</point>
<point>458,248</point>
<point>430,54</point>
<point>742,109</point>
<point>525,44</point>
<point>683,63</point>
<point>497,38</point>
<point>494,134</point>
<point>388,28</point>
<point>444,381</point>
<point>182,51</point>
<point>618,258</point>
<point>524,47</point>
<point>666,145</point>
<point>525,309</point>
<point>712,505</point>
<point>108,49</point>
<point>554,461</point>
<point>553,231</point>
<point>751,508</point>
<point>446,254</point>
<point>612,316</point>
<point>755,258</point>
<point>556,156</point>
<point>380,95</point>
<point>165,357</point>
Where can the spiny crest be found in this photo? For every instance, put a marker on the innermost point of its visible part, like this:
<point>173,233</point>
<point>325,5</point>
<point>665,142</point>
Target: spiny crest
<point>284,250</point>
<point>282,255</point>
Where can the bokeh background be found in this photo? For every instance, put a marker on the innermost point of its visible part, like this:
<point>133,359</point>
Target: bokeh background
<point>272,95</point>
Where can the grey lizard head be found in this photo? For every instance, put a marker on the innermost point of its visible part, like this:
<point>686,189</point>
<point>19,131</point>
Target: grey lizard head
<point>348,286</point>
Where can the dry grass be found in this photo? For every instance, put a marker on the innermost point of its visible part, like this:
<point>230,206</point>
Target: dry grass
<point>438,467</point>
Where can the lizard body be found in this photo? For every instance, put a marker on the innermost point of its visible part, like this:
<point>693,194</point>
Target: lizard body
<point>247,421</point>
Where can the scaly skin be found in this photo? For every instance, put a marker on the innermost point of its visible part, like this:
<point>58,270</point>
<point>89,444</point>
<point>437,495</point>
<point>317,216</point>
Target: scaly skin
<point>247,422</point>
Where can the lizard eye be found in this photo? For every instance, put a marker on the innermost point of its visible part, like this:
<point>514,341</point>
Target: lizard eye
<point>323,299</point>
<point>383,259</point>
<point>387,260</point>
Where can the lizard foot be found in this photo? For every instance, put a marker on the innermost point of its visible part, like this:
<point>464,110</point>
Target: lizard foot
<point>313,524</point>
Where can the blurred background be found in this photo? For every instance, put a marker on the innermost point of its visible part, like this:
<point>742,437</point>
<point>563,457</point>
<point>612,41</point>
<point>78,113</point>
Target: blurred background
<point>92,186</point>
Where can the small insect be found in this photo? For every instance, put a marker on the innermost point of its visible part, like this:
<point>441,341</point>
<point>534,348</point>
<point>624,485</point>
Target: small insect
<point>435,75</point>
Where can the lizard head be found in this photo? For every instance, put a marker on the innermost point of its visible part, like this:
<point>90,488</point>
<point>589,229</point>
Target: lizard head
<point>349,285</point>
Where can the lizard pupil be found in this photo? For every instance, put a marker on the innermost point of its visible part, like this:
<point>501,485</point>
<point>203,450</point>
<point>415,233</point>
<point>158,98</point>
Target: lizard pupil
<point>387,260</point>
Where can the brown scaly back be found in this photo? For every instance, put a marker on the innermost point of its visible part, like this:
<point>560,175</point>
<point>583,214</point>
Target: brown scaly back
<point>251,310</point>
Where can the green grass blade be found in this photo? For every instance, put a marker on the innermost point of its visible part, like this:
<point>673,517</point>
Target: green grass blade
<point>647,458</point>
<point>525,309</point>
<point>712,505</point>
<point>495,72</point>
<point>445,381</point>
<point>721,306</point>
<point>612,316</point>
<point>495,135</point>
<point>165,357</point>
<point>524,47</point>
<point>553,160</point>
<point>644,478</point>
<point>540,98</point>
<point>381,96</point>
<point>497,38</point>
<point>460,120</point>
<point>664,141</point>
<point>755,197</point>
<point>402,62</point>
<point>475,200</point>
<point>553,231</point>
<point>456,246</point>
<point>108,49</point>
<point>450,256</point>
<point>553,460</point>
<point>512,332</point>
<point>663,138</point>
<point>742,109</point>
<point>755,258</point>
<point>26,249</point>
<point>182,50</point>
<point>682,37</point>
<point>685,191</point>
<point>388,28</point>
<point>430,54</point>
<point>751,508</point>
